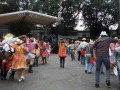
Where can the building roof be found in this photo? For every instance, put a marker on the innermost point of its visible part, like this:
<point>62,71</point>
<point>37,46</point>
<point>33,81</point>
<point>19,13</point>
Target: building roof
<point>27,16</point>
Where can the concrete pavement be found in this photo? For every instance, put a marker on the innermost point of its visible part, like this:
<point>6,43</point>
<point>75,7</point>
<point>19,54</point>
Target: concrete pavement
<point>52,77</point>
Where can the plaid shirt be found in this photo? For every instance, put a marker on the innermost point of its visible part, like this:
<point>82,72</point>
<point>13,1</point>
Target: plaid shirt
<point>101,46</point>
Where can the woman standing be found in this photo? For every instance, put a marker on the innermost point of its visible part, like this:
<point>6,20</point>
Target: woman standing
<point>19,59</point>
<point>117,57</point>
<point>72,50</point>
<point>62,53</point>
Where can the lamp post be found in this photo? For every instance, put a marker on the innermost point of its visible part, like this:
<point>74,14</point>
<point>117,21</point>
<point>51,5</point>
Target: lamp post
<point>59,18</point>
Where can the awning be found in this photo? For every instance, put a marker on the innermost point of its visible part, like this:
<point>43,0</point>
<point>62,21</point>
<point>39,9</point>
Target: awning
<point>27,16</point>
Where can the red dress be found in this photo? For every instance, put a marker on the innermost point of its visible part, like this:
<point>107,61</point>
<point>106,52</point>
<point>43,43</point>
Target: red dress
<point>43,51</point>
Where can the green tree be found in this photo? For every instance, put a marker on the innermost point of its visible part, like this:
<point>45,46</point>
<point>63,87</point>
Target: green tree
<point>8,6</point>
<point>70,13</point>
<point>21,28</point>
<point>16,28</point>
<point>99,15</point>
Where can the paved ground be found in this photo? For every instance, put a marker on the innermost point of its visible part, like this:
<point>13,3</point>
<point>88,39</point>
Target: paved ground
<point>51,77</point>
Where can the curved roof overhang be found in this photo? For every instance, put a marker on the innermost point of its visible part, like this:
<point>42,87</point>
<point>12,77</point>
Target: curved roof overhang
<point>27,16</point>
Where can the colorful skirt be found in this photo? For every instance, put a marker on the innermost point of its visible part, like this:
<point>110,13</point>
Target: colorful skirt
<point>19,61</point>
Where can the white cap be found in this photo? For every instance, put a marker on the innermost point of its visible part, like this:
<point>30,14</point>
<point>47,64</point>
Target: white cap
<point>103,33</point>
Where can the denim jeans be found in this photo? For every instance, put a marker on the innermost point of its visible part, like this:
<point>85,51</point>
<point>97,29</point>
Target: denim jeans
<point>118,65</point>
<point>82,60</point>
<point>101,70</point>
<point>106,62</point>
<point>88,64</point>
<point>68,51</point>
<point>79,55</point>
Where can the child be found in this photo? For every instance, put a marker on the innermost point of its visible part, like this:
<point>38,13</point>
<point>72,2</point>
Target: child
<point>37,54</point>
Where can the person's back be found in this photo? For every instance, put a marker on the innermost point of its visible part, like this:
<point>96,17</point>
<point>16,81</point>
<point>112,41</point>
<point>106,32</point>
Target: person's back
<point>102,46</point>
<point>31,44</point>
<point>83,44</point>
<point>87,49</point>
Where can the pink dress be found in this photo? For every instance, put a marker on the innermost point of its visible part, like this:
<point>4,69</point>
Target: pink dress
<point>30,45</point>
<point>111,52</point>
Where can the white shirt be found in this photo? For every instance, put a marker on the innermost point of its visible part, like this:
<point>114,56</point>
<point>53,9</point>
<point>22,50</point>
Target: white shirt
<point>79,48</point>
<point>83,44</point>
<point>10,41</point>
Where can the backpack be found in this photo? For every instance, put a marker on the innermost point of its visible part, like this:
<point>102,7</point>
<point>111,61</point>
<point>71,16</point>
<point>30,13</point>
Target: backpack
<point>92,59</point>
<point>83,52</point>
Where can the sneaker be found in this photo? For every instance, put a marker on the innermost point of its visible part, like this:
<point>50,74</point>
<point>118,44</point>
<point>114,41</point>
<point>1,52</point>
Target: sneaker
<point>108,83</point>
<point>97,85</point>
<point>89,72</point>
<point>22,77</point>
<point>20,80</point>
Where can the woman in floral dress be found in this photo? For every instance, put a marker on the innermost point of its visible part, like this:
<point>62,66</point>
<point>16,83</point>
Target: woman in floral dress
<point>19,59</point>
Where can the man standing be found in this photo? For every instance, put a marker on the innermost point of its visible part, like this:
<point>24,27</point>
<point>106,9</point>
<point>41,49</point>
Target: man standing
<point>101,47</point>
<point>83,45</point>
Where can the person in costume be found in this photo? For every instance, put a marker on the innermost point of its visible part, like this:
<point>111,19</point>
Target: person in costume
<point>37,54</point>
<point>62,53</point>
<point>30,44</point>
<point>48,48</point>
<point>43,52</point>
<point>19,59</point>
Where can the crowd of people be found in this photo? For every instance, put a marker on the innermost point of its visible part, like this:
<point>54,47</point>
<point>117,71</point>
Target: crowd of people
<point>18,54</point>
<point>103,52</point>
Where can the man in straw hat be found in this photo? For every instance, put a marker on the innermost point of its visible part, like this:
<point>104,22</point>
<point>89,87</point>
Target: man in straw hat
<point>101,47</point>
<point>83,45</point>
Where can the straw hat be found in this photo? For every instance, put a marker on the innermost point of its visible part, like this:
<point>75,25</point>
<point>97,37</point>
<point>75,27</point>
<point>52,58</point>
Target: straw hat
<point>18,41</point>
<point>8,36</point>
<point>31,39</point>
<point>116,37</point>
<point>91,42</point>
<point>84,39</point>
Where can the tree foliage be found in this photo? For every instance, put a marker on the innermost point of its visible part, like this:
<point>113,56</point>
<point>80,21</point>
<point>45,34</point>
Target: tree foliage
<point>99,15</point>
<point>69,13</point>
